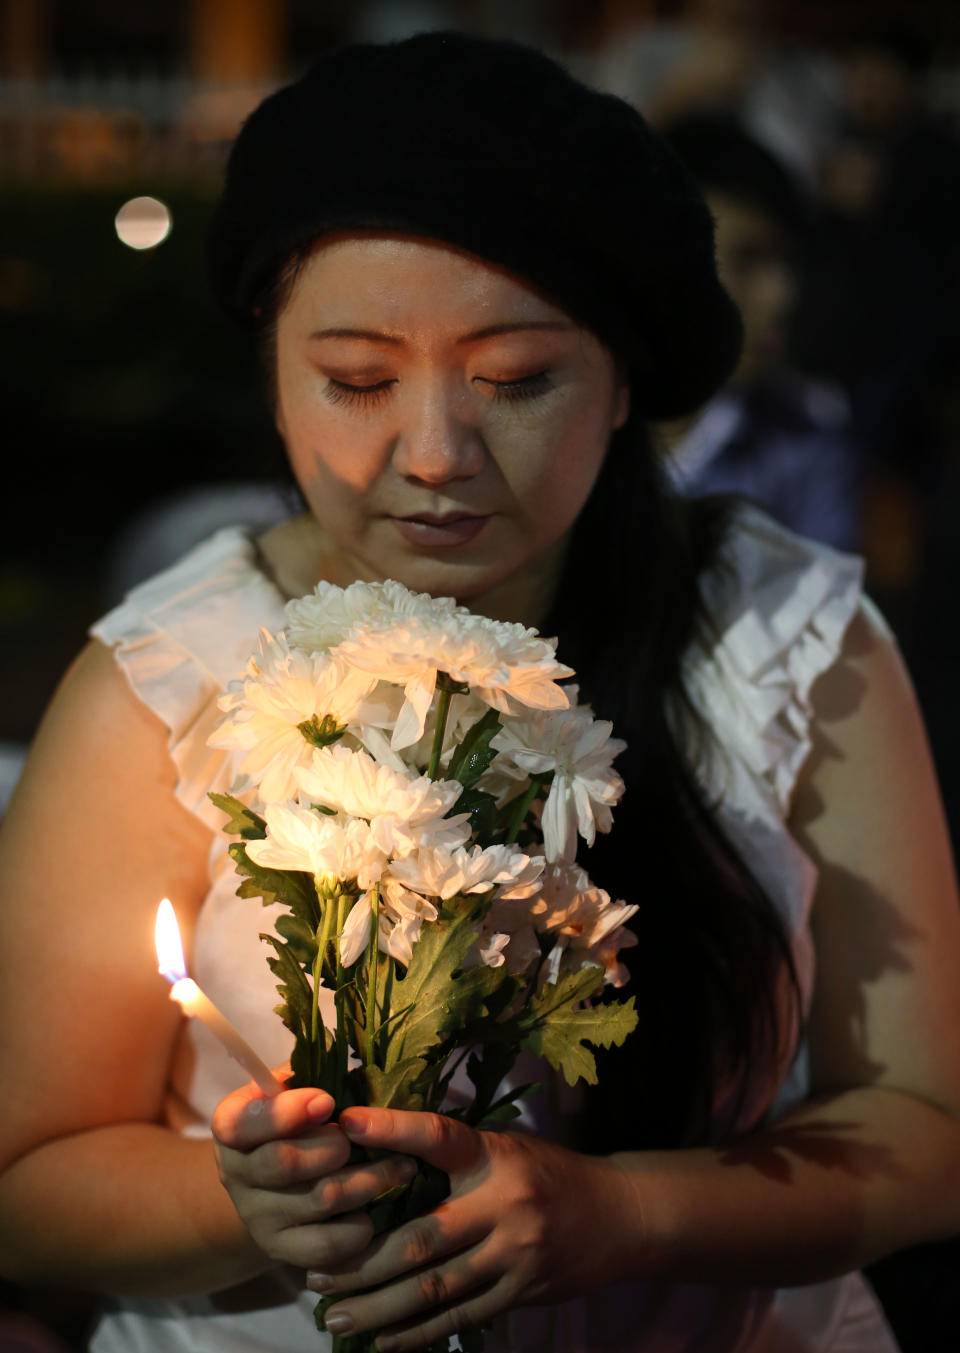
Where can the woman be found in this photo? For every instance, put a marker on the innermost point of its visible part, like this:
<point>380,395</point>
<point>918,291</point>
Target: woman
<point>473,280</point>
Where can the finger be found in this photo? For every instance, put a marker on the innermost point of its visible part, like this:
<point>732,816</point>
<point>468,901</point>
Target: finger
<point>441,1141</point>
<point>343,1191</point>
<point>247,1118</point>
<point>413,1299</point>
<point>325,1245</point>
<point>358,1186</point>
<point>472,1313</point>
<point>475,1305</point>
<point>289,1161</point>
<point>423,1242</point>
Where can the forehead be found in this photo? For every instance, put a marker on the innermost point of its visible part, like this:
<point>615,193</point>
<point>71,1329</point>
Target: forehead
<point>407,282</point>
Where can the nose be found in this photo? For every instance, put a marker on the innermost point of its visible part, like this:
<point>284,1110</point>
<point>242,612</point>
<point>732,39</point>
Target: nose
<point>438,441</point>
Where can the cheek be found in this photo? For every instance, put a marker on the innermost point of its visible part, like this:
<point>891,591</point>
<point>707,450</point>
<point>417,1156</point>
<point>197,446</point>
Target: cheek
<point>322,453</point>
<point>554,467</point>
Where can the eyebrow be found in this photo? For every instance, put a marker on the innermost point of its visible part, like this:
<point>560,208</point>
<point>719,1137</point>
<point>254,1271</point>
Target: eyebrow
<point>490,331</point>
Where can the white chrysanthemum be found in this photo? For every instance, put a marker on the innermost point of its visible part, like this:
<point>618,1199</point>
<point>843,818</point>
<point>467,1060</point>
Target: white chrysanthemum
<point>590,929</point>
<point>400,914</point>
<point>326,617</point>
<point>444,873</point>
<point>507,936</point>
<point>279,691</point>
<point>464,711</point>
<point>353,782</point>
<point>579,752</point>
<point>404,810</point>
<point>491,949</point>
<point>506,665</point>
<point>328,847</point>
<point>558,895</point>
<point>355,935</point>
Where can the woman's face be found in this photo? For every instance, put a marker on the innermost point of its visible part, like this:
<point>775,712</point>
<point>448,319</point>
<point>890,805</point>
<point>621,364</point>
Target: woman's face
<point>445,422</point>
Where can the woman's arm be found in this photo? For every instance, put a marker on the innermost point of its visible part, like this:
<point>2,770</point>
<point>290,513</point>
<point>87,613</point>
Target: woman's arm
<point>94,1191</point>
<point>870,1164</point>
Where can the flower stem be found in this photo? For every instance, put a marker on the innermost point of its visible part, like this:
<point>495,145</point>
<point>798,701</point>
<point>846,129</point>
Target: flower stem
<point>443,708</point>
<point>523,807</point>
<point>318,1037</point>
<point>343,908</point>
<point>373,958</point>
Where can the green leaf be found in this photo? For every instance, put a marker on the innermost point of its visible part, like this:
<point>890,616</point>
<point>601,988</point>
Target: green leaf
<point>474,754</point>
<point>483,811</point>
<point>293,888</point>
<point>505,1108</point>
<point>293,985</point>
<point>300,937</point>
<point>441,996</point>
<point>557,1026</point>
<point>396,1088</point>
<point>242,821</point>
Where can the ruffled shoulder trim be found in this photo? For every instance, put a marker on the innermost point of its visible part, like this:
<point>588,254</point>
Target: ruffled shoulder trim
<point>779,606</point>
<point>180,637</point>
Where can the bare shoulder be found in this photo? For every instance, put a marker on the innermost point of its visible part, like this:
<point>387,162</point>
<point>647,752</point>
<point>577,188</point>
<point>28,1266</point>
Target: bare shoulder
<point>886,919</point>
<point>867,728</point>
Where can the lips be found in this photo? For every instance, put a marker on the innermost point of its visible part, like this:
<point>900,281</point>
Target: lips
<point>440,530</point>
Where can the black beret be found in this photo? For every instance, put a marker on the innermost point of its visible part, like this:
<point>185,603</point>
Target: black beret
<point>495,148</point>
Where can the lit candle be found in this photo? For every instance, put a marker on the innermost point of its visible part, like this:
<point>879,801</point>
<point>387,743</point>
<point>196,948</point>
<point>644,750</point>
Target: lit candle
<point>193,1002</point>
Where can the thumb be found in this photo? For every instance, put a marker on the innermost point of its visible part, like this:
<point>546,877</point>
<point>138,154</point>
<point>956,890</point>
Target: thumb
<point>246,1118</point>
<point>444,1142</point>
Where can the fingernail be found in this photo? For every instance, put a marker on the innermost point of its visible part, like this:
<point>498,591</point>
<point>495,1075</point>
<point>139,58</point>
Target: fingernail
<point>354,1127</point>
<point>386,1343</point>
<point>338,1324</point>
<point>320,1282</point>
<point>406,1167</point>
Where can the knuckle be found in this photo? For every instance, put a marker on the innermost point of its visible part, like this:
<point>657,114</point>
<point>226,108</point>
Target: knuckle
<point>440,1130</point>
<point>433,1287</point>
<point>330,1195</point>
<point>334,1244</point>
<point>420,1243</point>
<point>275,1163</point>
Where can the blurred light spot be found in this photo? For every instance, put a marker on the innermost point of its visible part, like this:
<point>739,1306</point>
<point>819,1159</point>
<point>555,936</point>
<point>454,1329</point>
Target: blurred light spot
<point>143,222</point>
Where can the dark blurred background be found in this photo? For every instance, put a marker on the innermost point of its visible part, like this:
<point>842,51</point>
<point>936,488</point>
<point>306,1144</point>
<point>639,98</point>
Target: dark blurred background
<point>132,415</point>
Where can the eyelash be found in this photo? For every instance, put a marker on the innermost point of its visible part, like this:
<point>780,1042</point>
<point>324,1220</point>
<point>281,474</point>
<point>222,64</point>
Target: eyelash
<point>511,392</point>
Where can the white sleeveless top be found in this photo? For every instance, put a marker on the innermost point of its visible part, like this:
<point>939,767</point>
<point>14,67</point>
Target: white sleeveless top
<point>780,606</point>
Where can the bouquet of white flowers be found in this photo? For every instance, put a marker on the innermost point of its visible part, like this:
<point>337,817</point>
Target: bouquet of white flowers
<point>413,781</point>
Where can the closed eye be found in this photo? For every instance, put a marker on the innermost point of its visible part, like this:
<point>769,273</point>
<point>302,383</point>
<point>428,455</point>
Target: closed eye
<point>340,392</point>
<point>527,387</point>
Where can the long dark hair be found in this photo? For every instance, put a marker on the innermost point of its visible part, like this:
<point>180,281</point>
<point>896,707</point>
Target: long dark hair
<point>712,960</point>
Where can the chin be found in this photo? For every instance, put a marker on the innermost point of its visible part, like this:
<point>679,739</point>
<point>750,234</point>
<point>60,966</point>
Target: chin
<point>465,580</point>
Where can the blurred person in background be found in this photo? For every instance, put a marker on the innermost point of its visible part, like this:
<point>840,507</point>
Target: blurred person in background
<point>720,56</point>
<point>771,433</point>
<point>878,310</point>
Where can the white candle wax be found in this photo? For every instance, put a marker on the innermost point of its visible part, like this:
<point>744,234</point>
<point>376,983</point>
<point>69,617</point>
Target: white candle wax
<point>194,1002</point>
<point>197,1004</point>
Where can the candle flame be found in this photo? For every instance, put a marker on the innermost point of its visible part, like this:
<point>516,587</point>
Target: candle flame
<point>170,958</point>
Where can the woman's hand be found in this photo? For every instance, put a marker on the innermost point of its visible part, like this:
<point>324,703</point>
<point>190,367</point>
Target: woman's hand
<point>526,1222</point>
<point>284,1165</point>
